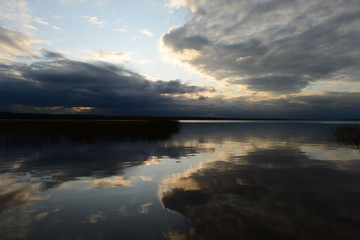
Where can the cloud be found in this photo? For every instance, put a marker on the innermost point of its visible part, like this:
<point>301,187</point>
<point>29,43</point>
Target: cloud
<point>95,21</point>
<point>115,57</point>
<point>14,43</point>
<point>52,55</point>
<point>330,101</point>
<point>147,32</point>
<point>17,16</point>
<point>53,109</point>
<point>71,1</point>
<point>60,85</point>
<point>145,61</point>
<point>275,45</point>
<point>56,28</point>
<point>99,3</point>
<point>178,40</point>
<point>43,22</point>
<point>16,13</point>
<point>58,81</point>
<point>123,29</point>
<point>279,84</point>
<point>191,4</point>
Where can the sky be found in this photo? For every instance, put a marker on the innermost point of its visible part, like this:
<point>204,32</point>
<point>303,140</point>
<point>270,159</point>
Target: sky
<point>199,58</point>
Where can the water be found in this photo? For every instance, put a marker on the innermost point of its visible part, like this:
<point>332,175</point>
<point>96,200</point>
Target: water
<point>212,180</point>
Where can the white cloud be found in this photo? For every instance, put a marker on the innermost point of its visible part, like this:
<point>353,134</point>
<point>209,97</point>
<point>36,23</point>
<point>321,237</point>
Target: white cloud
<point>43,22</point>
<point>114,56</point>
<point>17,14</point>
<point>95,21</point>
<point>147,32</point>
<point>123,29</point>
<point>100,3</point>
<point>145,61</point>
<point>56,28</point>
<point>71,1</point>
<point>14,43</point>
<point>191,4</point>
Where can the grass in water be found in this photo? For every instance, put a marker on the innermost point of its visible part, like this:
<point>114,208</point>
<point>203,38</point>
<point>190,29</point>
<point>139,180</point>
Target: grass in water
<point>347,135</point>
<point>39,133</point>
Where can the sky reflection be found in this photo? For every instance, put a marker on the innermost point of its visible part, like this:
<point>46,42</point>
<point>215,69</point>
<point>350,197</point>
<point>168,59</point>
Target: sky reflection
<point>209,181</point>
<point>279,186</point>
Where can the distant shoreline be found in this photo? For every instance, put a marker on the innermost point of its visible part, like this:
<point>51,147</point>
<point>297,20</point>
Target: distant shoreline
<point>20,133</point>
<point>47,116</point>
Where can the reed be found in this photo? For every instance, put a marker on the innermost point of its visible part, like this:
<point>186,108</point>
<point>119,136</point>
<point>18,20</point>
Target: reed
<point>39,133</point>
<point>347,135</point>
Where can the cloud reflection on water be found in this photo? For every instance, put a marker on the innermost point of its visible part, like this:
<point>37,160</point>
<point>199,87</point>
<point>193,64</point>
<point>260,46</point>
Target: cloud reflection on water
<point>17,193</point>
<point>271,193</point>
<point>249,181</point>
<point>84,175</point>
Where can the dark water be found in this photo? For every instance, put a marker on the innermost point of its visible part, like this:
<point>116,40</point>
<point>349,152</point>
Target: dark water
<point>244,180</point>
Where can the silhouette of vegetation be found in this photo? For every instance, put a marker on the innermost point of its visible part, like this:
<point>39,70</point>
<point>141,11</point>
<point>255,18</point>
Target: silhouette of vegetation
<point>39,133</point>
<point>348,135</point>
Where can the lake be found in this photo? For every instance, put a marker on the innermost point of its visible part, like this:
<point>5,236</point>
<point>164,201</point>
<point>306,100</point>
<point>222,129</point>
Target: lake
<point>211,180</point>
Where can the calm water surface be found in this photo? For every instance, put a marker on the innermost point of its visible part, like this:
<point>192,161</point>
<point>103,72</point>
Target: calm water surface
<point>212,180</point>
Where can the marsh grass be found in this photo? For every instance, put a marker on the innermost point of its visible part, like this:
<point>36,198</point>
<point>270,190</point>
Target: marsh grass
<point>39,133</point>
<point>347,135</point>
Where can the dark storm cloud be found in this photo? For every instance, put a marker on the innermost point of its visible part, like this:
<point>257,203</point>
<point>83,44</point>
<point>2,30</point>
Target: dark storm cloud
<point>328,105</point>
<point>247,40</point>
<point>179,41</point>
<point>64,82</point>
<point>332,101</point>
<point>286,84</point>
<point>7,40</point>
<point>176,87</point>
<point>58,84</point>
<point>52,55</point>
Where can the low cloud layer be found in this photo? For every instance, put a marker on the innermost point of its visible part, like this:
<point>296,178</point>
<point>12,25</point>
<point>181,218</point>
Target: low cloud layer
<point>60,85</point>
<point>58,81</point>
<point>273,46</point>
<point>57,84</point>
